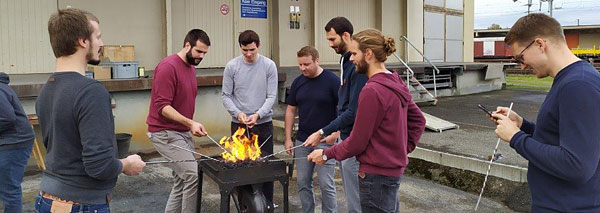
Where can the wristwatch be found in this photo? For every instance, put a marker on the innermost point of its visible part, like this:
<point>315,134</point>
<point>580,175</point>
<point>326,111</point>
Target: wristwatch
<point>324,156</point>
<point>322,133</point>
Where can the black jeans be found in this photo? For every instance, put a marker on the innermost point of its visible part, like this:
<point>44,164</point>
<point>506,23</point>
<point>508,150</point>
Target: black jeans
<point>264,131</point>
<point>379,193</point>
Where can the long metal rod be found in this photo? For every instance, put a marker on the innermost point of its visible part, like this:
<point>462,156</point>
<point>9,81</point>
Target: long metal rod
<point>284,159</point>
<point>491,162</point>
<point>213,140</point>
<point>263,143</point>
<point>428,61</point>
<point>192,151</point>
<point>247,131</point>
<point>172,161</point>
<point>265,157</point>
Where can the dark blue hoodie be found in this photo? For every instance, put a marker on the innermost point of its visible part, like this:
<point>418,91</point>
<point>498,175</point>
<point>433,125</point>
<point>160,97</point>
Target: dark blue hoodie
<point>15,129</point>
<point>347,99</point>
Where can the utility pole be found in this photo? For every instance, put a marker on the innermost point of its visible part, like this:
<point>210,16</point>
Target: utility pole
<point>550,6</point>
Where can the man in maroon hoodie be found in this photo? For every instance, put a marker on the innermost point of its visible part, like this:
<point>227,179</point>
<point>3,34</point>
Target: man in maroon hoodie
<point>387,127</point>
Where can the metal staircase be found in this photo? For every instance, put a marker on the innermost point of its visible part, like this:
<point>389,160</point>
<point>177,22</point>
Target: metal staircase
<point>423,94</point>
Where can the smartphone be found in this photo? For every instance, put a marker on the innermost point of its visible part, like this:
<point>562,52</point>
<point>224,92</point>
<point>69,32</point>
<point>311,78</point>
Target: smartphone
<point>484,109</point>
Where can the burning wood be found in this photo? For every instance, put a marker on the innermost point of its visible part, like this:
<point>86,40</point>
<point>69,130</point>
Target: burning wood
<point>240,147</point>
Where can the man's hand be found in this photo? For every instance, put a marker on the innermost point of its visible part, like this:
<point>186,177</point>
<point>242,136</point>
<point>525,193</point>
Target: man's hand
<point>313,140</point>
<point>316,157</point>
<point>132,165</point>
<point>242,117</point>
<point>506,128</point>
<point>197,129</point>
<point>251,120</point>
<point>513,116</point>
<point>288,145</point>
<point>330,140</point>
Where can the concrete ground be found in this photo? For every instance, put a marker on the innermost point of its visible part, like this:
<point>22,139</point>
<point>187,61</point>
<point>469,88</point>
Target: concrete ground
<point>149,191</point>
<point>476,137</point>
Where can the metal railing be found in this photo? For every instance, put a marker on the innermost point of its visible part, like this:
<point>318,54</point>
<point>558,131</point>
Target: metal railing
<point>409,71</point>
<point>426,59</point>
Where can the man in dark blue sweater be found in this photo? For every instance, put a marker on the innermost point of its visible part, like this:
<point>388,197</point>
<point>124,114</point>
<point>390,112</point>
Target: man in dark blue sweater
<point>16,140</point>
<point>339,31</point>
<point>77,123</point>
<point>563,148</point>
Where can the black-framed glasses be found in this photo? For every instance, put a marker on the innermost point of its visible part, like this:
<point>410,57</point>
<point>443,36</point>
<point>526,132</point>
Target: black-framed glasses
<point>519,57</point>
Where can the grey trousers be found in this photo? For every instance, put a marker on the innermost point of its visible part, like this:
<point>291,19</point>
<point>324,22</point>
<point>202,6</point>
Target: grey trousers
<point>305,180</point>
<point>349,173</point>
<point>183,197</point>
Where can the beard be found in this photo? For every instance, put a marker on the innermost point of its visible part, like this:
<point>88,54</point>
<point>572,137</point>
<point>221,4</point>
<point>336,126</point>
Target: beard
<point>90,57</point>
<point>340,48</point>
<point>362,67</point>
<point>191,60</point>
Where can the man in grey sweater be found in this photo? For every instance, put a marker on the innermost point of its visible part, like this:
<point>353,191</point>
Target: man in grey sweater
<point>77,123</point>
<point>249,92</point>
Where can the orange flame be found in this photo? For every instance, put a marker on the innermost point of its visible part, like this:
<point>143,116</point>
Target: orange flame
<point>240,147</point>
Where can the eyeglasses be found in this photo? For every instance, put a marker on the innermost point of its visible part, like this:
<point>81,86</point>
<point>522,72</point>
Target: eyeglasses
<point>519,57</point>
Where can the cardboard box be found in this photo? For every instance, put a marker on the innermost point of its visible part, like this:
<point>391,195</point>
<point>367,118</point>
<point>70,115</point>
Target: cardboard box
<point>100,72</point>
<point>116,53</point>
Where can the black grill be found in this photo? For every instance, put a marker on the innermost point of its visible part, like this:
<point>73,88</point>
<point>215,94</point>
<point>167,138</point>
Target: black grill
<point>240,176</point>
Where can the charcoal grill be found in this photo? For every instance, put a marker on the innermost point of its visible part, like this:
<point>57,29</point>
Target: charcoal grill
<point>241,176</point>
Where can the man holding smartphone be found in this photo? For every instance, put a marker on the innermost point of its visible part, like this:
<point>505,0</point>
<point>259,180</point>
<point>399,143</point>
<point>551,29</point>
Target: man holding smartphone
<point>563,148</point>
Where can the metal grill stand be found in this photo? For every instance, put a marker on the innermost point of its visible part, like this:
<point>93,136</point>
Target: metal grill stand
<point>228,179</point>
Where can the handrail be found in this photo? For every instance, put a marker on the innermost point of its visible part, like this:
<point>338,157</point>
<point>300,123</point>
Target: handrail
<point>429,62</point>
<point>409,71</point>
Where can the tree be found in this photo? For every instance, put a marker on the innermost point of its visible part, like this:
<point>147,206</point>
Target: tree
<point>494,27</point>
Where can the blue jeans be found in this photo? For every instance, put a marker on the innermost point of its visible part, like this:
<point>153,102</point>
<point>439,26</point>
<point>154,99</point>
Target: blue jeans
<point>305,180</point>
<point>379,193</point>
<point>349,173</point>
<point>12,165</point>
<point>43,205</point>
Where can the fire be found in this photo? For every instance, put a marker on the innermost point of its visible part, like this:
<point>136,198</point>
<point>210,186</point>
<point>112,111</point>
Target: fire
<point>240,147</point>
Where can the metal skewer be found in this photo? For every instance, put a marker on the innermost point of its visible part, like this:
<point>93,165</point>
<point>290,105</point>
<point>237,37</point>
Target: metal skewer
<point>192,151</point>
<point>265,157</point>
<point>247,131</point>
<point>173,161</point>
<point>263,143</point>
<point>284,159</point>
<point>491,162</point>
<point>213,140</point>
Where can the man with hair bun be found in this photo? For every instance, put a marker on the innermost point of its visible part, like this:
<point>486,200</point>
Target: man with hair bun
<point>388,125</point>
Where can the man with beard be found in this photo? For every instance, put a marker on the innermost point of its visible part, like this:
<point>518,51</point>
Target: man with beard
<point>170,118</point>
<point>389,125</point>
<point>77,123</point>
<point>339,31</point>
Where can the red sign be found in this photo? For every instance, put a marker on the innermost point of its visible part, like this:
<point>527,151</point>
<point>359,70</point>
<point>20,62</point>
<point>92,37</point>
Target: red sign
<point>224,9</point>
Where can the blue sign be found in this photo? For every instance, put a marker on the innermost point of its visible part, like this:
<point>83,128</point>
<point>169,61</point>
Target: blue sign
<point>254,9</point>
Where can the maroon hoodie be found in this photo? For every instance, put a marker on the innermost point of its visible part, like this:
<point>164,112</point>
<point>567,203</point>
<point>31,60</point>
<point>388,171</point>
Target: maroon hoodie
<point>387,127</point>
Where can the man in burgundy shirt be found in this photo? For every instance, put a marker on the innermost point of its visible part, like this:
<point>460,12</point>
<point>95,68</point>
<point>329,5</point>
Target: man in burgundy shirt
<point>170,118</point>
<point>388,125</point>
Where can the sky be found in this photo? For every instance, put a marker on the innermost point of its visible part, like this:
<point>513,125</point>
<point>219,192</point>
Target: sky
<point>506,12</point>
